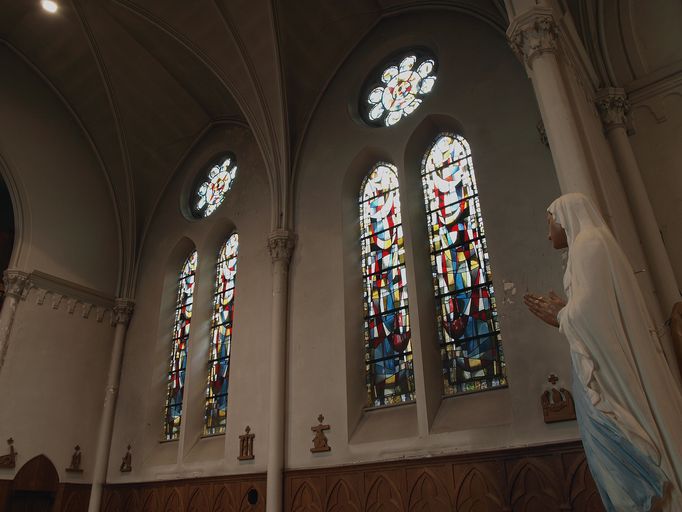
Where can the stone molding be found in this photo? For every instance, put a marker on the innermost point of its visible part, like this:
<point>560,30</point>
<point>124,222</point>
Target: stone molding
<point>533,33</point>
<point>123,310</point>
<point>55,292</point>
<point>281,243</point>
<point>16,283</point>
<point>613,107</point>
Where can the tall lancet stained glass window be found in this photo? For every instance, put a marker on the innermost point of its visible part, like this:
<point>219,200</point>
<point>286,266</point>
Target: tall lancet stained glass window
<point>178,357</point>
<point>215,415</point>
<point>469,335</point>
<point>388,351</point>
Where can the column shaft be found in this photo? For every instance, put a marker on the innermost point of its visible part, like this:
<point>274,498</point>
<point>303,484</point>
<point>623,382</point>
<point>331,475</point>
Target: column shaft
<point>122,311</point>
<point>15,283</point>
<point>281,244</point>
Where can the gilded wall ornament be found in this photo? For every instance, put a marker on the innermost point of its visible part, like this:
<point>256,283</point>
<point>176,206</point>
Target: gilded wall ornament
<point>246,445</point>
<point>75,466</point>
<point>557,404</point>
<point>9,460</point>
<point>320,441</point>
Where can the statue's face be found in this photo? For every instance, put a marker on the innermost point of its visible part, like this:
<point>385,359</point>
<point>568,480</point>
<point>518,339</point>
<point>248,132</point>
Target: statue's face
<point>557,234</point>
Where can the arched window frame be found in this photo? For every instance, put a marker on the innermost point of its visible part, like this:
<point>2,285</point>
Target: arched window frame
<point>470,341</point>
<point>388,350</point>
<point>220,338</point>
<point>179,344</point>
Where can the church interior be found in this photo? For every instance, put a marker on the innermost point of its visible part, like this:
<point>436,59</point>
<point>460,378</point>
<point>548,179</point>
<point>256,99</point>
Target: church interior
<point>243,248</point>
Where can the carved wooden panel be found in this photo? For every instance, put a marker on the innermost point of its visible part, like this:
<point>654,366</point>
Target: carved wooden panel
<point>538,479</point>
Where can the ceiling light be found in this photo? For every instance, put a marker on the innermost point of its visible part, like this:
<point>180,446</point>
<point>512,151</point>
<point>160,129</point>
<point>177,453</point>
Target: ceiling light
<point>49,6</point>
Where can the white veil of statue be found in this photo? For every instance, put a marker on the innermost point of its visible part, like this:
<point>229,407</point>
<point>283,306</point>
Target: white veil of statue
<point>629,393</point>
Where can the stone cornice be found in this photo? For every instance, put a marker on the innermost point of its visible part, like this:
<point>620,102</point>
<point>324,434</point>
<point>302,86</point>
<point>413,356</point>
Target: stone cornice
<point>613,107</point>
<point>533,33</point>
<point>281,243</point>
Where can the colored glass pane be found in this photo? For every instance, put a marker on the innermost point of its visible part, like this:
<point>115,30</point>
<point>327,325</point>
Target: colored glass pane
<point>399,89</point>
<point>388,352</point>
<point>469,334</point>
<point>178,358</point>
<point>220,339</point>
<point>211,191</point>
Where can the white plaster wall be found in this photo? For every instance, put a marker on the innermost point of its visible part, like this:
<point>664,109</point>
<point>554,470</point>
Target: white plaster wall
<point>170,237</point>
<point>656,143</point>
<point>482,88</point>
<point>52,385</point>
<point>68,226</point>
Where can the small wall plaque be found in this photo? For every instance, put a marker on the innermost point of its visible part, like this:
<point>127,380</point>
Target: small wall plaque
<point>246,445</point>
<point>127,462</point>
<point>557,404</point>
<point>9,460</point>
<point>75,466</point>
<point>320,441</point>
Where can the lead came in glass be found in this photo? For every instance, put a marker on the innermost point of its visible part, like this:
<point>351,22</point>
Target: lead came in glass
<point>388,351</point>
<point>400,89</point>
<point>470,339</point>
<point>215,411</point>
<point>178,358</point>
<point>211,192</point>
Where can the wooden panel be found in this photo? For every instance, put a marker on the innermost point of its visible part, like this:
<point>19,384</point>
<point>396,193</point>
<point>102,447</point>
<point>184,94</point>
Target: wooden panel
<point>538,479</point>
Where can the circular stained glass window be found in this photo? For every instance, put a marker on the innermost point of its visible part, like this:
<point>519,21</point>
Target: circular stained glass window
<point>211,188</point>
<point>398,88</point>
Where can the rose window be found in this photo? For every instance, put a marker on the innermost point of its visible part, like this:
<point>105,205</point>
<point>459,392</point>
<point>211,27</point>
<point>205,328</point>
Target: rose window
<point>400,90</point>
<point>210,192</point>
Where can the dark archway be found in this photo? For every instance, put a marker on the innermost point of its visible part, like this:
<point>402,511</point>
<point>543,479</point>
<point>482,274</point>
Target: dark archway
<point>6,230</point>
<point>34,487</point>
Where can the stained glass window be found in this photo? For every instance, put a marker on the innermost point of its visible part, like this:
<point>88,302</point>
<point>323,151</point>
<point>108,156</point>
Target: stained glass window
<point>210,192</point>
<point>215,411</point>
<point>399,89</point>
<point>469,334</point>
<point>178,358</point>
<point>388,351</point>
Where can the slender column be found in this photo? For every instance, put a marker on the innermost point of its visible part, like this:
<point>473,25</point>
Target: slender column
<point>613,107</point>
<point>281,244</point>
<point>123,309</point>
<point>534,37</point>
<point>15,283</point>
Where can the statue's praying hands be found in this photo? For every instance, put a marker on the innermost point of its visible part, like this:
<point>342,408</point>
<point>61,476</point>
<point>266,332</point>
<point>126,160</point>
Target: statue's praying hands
<point>545,308</point>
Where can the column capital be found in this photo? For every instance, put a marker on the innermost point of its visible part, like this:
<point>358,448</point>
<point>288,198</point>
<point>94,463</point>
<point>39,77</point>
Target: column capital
<point>123,310</point>
<point>613,106</point>
<point>533,33</point>
<point>281,243</point>
<point>16,282</point>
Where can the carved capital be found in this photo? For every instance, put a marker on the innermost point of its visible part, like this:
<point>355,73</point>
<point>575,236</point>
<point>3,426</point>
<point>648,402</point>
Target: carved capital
<point>533,33</point>
<point>613,107</point>
<point>123,310</point>
<point>281,243</point>
<point>16,282</point>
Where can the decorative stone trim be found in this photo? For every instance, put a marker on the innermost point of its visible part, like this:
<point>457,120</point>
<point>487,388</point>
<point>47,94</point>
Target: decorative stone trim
<point>613,107</point>
<point>281,243</point>
<point>123,310</point>
<point>533,33</point>
<point>16,283</point>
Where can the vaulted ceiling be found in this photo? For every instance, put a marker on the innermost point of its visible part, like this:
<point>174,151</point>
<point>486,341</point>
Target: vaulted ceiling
<point>145,78</point>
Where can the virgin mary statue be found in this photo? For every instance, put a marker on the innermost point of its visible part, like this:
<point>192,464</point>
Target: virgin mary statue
<point>628,403</point>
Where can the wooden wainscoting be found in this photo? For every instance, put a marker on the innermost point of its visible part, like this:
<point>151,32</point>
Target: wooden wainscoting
<point>539,479</point>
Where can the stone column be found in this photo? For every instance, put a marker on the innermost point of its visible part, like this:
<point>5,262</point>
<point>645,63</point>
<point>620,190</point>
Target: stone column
<point>123,310</point>
<point>16,284</point>
<point>613,107</point>
<point>281,243</point>
<point>533,36</point>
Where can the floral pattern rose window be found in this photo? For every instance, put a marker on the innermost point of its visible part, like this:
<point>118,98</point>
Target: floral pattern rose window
<point>210,191</point>
<point>399,89</point>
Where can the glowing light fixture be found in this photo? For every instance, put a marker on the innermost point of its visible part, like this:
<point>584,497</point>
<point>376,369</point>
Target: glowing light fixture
<point>49,6</point>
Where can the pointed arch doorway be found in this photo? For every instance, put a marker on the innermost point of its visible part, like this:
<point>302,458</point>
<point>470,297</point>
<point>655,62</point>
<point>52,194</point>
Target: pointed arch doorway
<point>34,487</point>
